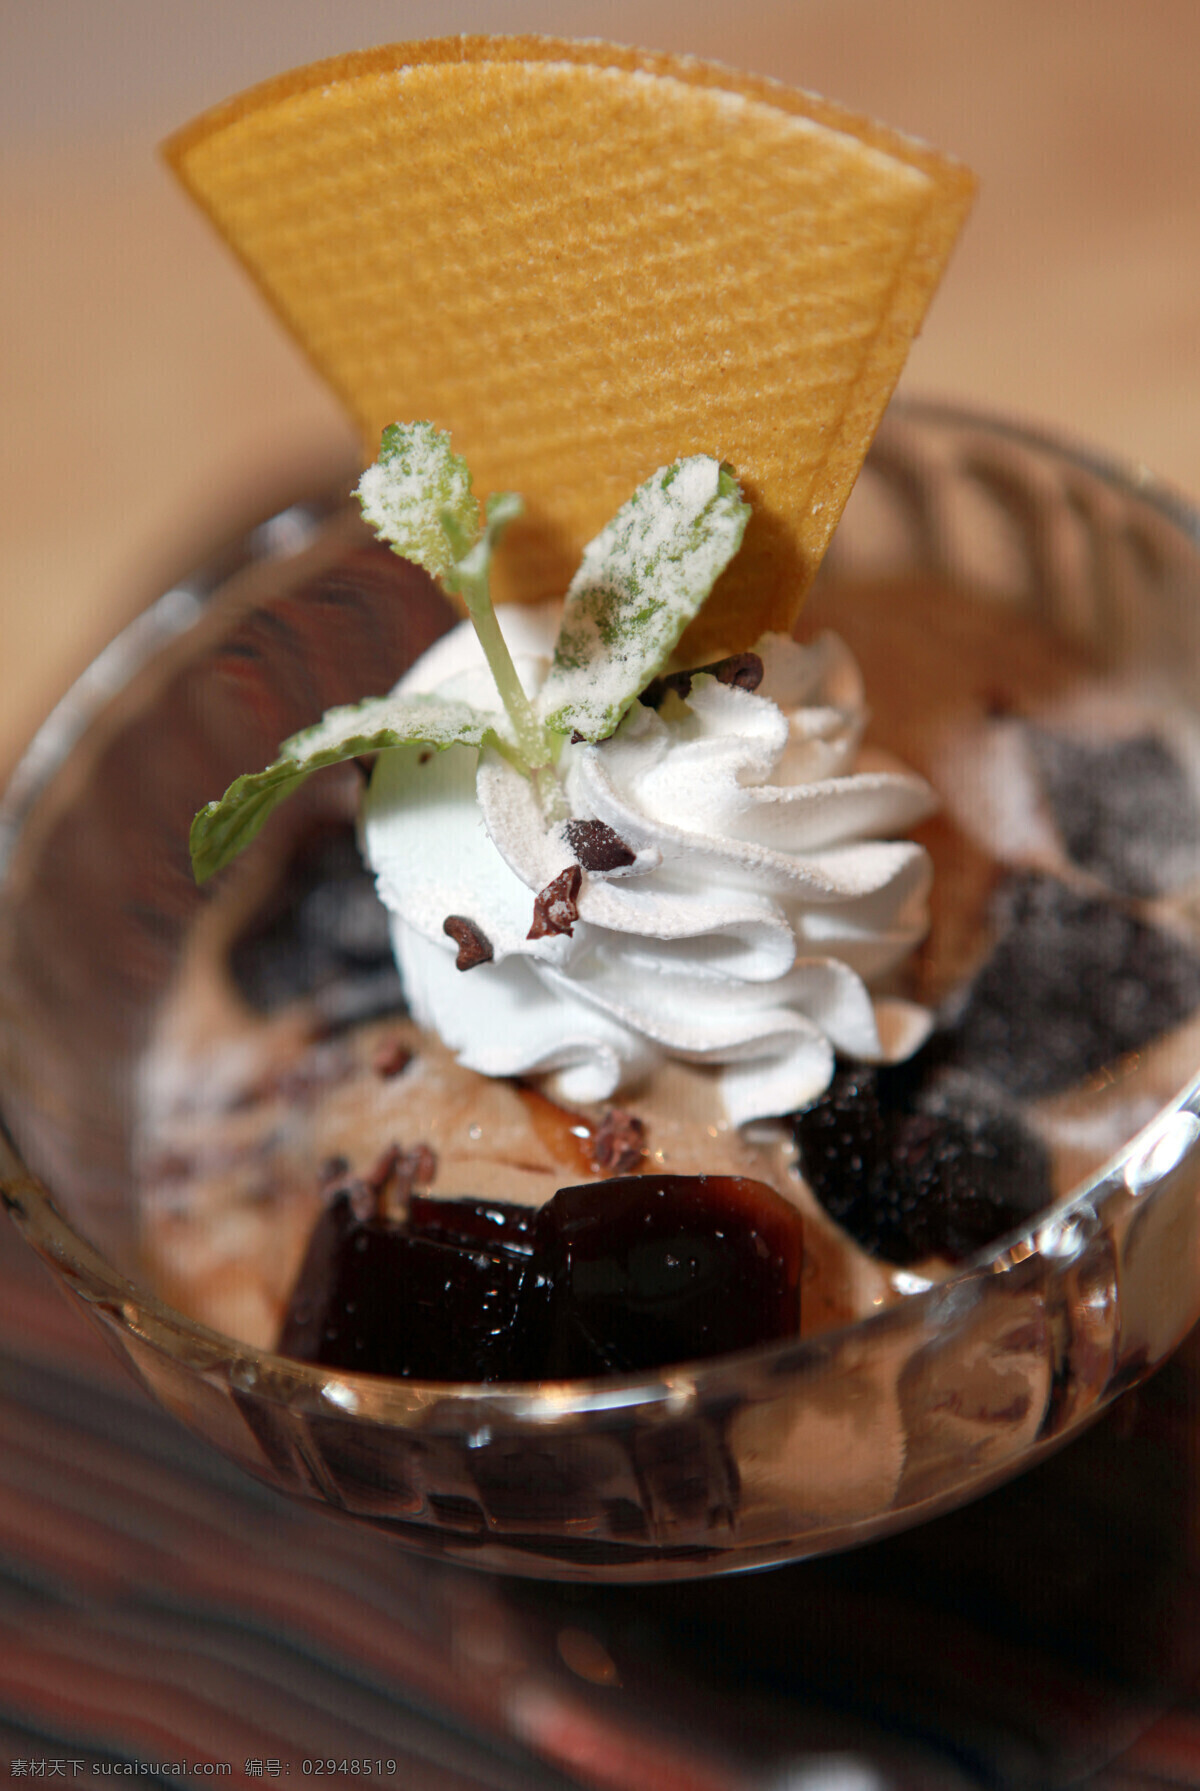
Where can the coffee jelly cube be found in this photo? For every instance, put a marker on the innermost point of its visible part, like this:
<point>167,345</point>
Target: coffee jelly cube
<point>374,1298</point>
<point>312,1307</point>
<point>473,1224</point>
<point>648,1270</point>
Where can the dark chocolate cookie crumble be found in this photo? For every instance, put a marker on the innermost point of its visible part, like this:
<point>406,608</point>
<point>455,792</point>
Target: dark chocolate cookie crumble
<point>921,1162</point>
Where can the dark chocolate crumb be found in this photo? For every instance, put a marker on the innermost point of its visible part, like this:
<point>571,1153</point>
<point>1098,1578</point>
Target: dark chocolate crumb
<point>324,934</point>
<point>474,946</point>
<point>597,847</point>
<point>555,908</point>
<point>423,758</point>
<point>1073,983</point>
<point>745,670</point>
<point>1124,809</point>
<point>577,739</point>
<point>619,1144</point>
<point>392,1057</point>
<point>921,1161</point>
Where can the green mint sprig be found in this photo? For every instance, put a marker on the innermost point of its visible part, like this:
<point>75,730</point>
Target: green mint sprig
<point>641,582</point>
<point>418,498</point>
<point>223,829</point>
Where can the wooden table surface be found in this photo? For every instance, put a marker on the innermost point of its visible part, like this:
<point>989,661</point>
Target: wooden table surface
<point>147,393</point>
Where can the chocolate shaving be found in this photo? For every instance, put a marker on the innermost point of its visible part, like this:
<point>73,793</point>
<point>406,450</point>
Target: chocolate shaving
<point>474,946</point>
<point>743,670</point>
<point>391,1058</point>
<point>597,847</point>
<point>555,909</point>
<point>619,1143</point>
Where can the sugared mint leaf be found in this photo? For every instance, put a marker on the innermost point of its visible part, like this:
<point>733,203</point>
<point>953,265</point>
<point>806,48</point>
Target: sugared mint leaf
<point>641,581</point>
<point>417,497</point>
<point>222,829</point>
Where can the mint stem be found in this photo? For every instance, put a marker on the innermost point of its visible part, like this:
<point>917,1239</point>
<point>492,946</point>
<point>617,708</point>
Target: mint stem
<point>531,737</point>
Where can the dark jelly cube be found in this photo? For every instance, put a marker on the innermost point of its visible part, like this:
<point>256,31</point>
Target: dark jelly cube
<point>1125,809</point>
<point>459,1314</point>
<point>915,1165</point>
<point>1073,983</point>
<point>373,1298</point>
<point>647,1270</point>
<point>314,1298</point>
<point>475,1224</point>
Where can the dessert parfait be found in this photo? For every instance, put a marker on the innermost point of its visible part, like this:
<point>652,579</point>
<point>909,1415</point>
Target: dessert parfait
<point>654,973</point>
<point>645,882</point>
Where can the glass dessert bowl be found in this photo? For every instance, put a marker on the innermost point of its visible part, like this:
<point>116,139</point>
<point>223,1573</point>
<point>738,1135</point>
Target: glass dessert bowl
<point>1025,619</point>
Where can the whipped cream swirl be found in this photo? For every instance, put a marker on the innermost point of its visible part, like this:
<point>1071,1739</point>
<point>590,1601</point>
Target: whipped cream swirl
<point>768,891</point>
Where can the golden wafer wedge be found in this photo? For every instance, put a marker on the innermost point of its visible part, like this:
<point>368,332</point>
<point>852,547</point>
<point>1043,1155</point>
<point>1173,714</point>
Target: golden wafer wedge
<point>585,262</point>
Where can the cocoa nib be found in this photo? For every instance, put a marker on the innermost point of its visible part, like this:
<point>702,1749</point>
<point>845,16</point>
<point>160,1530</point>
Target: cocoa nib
<point>745,670</point>
<point>386,1187</point>
<point>417,1166</point>
<point>392,1057</point>
<point>597,847</point>
<point>555,908</point>
<point>619,1144</point>
<point>474,946</point>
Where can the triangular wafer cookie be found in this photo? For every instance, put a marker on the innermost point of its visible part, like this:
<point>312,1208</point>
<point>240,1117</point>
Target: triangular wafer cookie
<point>585,262</point>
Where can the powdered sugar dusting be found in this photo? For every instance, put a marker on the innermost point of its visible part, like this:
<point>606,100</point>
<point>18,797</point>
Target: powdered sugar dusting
<point>641,582</point>
<point>407,491</point>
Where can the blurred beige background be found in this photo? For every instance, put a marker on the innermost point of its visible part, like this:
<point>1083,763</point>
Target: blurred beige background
<point>147,395</point>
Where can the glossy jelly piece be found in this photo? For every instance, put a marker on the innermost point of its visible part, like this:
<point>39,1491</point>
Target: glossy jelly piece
<point>921,1162</point>
<point>474,1224</point>
<point>647,1270</point>
<point>372,1297</point>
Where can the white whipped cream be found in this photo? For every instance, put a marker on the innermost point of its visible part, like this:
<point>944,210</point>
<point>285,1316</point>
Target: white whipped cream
<point>768,893</point>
